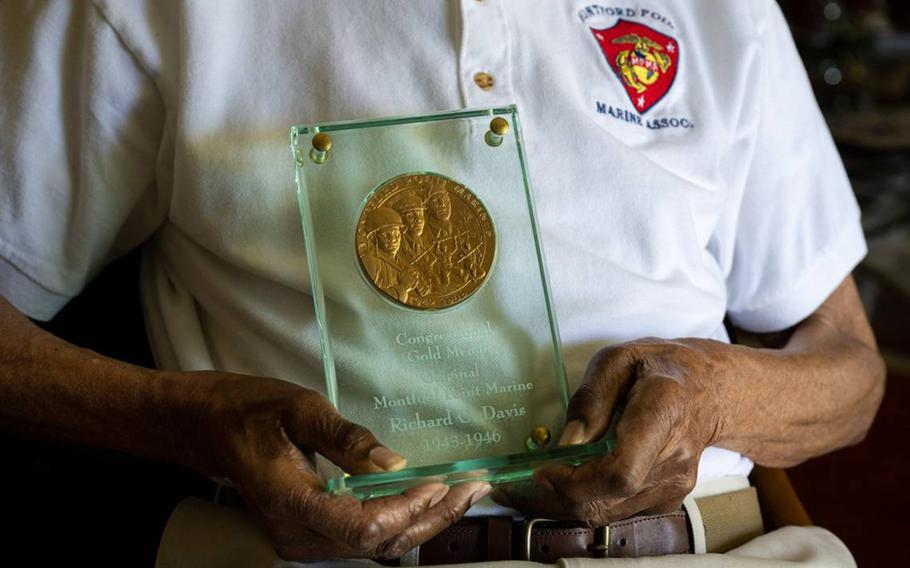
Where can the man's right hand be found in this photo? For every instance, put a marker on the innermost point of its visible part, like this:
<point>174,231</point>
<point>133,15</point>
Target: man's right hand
<point>250,429</point>
<point>255,431</point>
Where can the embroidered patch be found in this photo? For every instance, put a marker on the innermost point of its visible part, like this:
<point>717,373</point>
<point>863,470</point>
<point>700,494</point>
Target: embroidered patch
<point>644,60</point>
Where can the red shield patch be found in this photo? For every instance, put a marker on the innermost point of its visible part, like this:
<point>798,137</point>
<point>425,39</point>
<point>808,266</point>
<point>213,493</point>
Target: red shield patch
<point>644,60</point>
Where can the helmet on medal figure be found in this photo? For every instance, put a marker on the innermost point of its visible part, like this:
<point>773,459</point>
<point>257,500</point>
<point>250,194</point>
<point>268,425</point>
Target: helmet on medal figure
<point>383,227</point>
<point>382,217</point>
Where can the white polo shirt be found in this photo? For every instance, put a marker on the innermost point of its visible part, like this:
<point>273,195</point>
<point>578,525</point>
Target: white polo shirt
<point>680,166</point>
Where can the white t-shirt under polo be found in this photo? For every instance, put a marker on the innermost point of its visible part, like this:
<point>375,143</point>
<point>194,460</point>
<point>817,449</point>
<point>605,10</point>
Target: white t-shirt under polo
<point>680,166</point>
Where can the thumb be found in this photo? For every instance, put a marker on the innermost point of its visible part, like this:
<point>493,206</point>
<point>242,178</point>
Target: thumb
<point>607,380</point>
<point>315,424</point>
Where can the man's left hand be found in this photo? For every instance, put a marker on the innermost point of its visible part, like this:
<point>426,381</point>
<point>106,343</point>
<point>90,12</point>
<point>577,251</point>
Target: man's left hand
<point>673,411</point>
<point>780,407</point>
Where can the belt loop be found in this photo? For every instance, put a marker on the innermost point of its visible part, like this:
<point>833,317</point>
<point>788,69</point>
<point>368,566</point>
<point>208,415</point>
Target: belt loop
<point>600,548</point>
<point>696,523</point>
<point>410,558</point>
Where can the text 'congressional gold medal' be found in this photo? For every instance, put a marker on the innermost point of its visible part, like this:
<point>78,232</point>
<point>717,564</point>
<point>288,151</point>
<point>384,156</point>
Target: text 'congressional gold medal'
<point>425,241</point>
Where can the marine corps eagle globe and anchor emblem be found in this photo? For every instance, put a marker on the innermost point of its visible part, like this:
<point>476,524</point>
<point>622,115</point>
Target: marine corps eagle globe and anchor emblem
<point>644,60</point>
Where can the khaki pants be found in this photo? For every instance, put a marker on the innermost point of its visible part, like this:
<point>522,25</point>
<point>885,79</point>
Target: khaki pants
<point>201,534</point>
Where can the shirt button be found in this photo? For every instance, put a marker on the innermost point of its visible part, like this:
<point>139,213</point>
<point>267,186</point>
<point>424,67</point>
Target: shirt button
<point>483,80</point>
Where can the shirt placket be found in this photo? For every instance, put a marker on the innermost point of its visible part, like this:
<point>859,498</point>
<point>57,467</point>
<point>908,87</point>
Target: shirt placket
<point>485,60</point>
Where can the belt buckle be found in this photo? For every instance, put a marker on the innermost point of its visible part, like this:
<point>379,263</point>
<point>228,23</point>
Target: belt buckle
<point>527,528</point>
<point>599,548</point>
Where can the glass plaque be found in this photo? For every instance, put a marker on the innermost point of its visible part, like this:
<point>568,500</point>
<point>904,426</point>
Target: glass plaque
<point>435,319</point>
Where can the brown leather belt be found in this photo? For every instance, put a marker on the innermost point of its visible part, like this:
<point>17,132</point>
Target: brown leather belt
<point>479,539</point>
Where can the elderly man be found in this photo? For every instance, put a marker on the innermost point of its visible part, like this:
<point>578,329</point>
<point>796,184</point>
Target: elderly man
<point>677,181</point>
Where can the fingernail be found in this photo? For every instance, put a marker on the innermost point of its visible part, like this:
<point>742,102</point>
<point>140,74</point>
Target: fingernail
<point>484,490</point>
<point>573,434</point>
<point>386,459</point>
<point>440,493</point>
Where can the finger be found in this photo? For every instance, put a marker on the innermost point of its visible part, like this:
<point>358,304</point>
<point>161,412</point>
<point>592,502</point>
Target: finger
<point>317,425</point>
<point>278,478</point>
<point>443,508</point>
<point>607,378</point>
<point>654,500</point>
<point>287,486</point>
<point>538,501</point>
<point>346,528</point>
<point>288,496</point>
<point>382,519</point>
<point>676,478</point>
<point>643,433</point>
<point>644,430</point>
<point>358,528</point>
<point>437,518</point>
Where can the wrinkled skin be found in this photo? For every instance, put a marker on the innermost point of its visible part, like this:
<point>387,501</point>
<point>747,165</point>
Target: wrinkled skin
<point>669,418</point>
<point>777,406</point>
<point>817,393</point>
<point>257,428</point>
<point>256,431</point>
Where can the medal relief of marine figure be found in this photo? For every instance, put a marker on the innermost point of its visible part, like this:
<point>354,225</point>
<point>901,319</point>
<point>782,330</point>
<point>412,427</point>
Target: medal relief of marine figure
<point>439,205</point>
<point>444,232</point>
<point>416,242</point>
<point>457,258</point>
<point>383,262</point>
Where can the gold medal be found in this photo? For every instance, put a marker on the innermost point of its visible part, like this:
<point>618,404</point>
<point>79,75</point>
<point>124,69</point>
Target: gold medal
<point>425,241</point>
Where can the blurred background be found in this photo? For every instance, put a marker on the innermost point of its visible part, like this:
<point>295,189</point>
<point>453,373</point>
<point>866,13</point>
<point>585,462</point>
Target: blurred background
<point>857,53</point>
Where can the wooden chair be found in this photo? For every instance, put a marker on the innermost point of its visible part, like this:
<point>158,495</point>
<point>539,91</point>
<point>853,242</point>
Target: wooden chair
<point>779,503</point>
